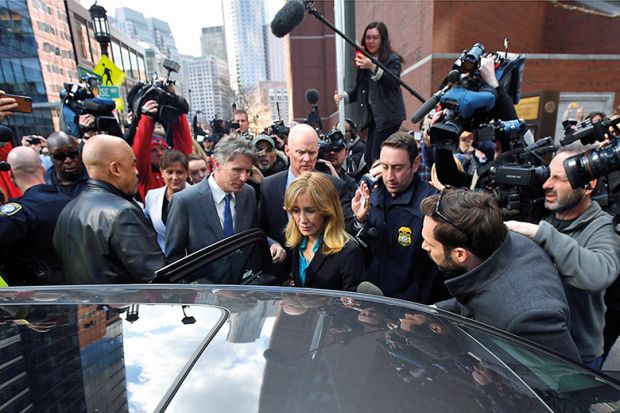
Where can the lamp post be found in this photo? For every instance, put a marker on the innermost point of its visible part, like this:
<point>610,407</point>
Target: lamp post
<point>100,26</point>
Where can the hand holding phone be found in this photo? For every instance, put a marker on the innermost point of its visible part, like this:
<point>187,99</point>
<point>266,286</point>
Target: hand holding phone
<point>24,103</point>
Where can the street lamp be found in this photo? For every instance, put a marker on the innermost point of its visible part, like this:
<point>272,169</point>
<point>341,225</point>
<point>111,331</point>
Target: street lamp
<point>100,26</point>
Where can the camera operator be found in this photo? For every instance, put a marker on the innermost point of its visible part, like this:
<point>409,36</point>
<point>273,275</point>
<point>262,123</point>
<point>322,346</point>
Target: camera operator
<point>27,223</point>
<point>355,162</point>
<point>240,117</point>
<point>333,148</point>
<point>496,277</point>
<point>149,148</point>
<point>399,266</point>
<point>580,238</point>
<point>504,109</point>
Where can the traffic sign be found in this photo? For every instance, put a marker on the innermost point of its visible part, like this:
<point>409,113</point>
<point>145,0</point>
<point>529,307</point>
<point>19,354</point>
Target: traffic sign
<point>110,92</point>
<point>109,73</point>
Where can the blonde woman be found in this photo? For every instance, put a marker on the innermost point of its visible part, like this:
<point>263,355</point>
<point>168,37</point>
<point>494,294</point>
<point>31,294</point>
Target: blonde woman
<point>324,255</point>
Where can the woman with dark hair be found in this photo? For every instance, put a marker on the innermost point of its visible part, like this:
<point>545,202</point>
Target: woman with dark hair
<point>324,256</point>
<point>174,168</point>
<point>382,108</point>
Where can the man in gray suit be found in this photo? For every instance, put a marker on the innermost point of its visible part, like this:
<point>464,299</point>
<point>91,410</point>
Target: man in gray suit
<point>217,207</point>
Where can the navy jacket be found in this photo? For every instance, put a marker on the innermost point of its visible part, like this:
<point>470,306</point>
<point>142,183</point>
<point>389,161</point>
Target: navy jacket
<point>399,266</point>
<point>26,230</point>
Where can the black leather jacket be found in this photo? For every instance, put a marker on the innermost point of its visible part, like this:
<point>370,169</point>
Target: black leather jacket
<point>103,237</point>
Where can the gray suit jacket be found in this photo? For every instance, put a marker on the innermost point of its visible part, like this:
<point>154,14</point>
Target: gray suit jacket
<point>193,222</point>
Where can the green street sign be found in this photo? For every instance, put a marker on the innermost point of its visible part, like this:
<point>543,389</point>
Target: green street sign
<point>83,71</point>
<point>110,92</point>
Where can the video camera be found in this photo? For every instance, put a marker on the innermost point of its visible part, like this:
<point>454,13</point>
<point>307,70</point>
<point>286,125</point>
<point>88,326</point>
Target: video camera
<point>595,163</point>
<point>516,178</point>
<point>332,141</point>
<point>79,100</point>
<point>466,98</point>
<point>170,105</point>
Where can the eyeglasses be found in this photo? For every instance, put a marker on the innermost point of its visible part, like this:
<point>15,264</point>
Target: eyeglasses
<point>60,157</point>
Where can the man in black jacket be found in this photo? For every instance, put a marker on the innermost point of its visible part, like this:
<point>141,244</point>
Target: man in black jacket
<point>103,236</point>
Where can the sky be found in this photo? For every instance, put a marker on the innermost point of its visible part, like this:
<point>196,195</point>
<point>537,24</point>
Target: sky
<point>186,17</point>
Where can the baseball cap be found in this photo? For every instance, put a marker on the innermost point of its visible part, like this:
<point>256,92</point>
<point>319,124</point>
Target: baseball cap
<point>265,138</point>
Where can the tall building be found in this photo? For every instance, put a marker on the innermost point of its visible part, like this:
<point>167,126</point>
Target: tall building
<point>274,95</point>
<point>245,47</point>
<point>154,32</point>
<point>275,56</point>
<point>206,86</point>
<point>213,42</point>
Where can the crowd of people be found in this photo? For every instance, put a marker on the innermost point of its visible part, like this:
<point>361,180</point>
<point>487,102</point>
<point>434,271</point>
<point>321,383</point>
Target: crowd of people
<point>379,210</point>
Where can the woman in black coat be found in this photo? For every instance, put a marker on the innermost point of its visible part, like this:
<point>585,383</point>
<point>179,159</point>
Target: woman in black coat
<point>323,254</point>
<point>380,99</point>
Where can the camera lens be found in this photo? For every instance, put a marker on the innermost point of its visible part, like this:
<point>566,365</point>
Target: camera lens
<point>581,169</point>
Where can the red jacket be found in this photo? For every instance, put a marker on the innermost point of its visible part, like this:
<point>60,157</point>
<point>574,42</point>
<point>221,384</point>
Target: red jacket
<point>149,177</point>
<point>6,186</point>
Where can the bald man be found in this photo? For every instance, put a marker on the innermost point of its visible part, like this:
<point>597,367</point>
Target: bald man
<point>303,151</point>
<point>68,174</point>
<point>102,236</point>
<point>27,224</point>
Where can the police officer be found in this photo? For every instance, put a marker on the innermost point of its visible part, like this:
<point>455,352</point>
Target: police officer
<point>27,223</point>
<point>399,266</point>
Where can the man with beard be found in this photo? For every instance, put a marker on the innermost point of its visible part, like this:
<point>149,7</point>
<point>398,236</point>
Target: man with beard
<point>580,239</point>
<point>497,277</point>
<point>268,160</point>
<point>68,174</point>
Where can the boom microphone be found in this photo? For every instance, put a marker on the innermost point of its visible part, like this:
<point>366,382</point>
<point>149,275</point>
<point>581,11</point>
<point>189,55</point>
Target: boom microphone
<point>312,96</point>
<point>289,17</point>
<point>6,134</point>
<point>430,104</point>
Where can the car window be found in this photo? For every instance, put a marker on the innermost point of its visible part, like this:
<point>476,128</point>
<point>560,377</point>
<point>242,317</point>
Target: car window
<point>562,385</point>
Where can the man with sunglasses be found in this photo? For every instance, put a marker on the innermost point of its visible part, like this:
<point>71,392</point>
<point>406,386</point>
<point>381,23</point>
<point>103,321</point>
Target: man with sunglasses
<point>497,277</point>
<point>68,174</point>
<point>398,265</point>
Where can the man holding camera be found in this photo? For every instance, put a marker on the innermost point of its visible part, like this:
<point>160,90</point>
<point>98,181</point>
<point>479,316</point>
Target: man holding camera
<point>240,117</point>
<point>580,239</point>
<point>399,266</point>
<point>495,276</point>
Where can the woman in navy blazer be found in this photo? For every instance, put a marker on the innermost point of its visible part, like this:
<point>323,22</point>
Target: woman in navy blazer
<point>324,255</point>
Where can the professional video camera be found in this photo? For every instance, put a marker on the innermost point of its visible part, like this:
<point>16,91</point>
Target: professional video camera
<point>468,100</point>
<point>595,163</point>
<point>516,178</point>
<point>332,141</point>
<point>277,127</point>
<point>170,105</point>
<point>80,100</point>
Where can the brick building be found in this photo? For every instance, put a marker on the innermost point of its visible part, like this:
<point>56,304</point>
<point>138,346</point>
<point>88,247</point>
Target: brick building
<point>570,47</point>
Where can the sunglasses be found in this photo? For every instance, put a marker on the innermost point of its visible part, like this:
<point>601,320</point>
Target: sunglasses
<point>438,213</point>
<point>62,156</point>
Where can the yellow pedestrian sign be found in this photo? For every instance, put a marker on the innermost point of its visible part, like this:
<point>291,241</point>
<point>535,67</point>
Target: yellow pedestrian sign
<point>110,74</point>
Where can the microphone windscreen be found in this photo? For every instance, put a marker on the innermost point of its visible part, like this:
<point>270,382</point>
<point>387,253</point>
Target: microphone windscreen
<point>6,134</point>
<point>366,287</point>
<point>312,96</point>
<point>289,16</point>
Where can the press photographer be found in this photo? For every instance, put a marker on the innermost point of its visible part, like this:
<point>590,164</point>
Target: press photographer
<point>83,113</point>
<point>152,104</point>
<point>333,149</point>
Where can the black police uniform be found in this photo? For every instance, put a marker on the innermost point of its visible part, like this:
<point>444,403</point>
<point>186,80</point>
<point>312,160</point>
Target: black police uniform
<point>26,229</point>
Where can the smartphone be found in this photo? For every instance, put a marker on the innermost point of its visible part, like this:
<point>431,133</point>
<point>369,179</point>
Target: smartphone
<point>24,103</point>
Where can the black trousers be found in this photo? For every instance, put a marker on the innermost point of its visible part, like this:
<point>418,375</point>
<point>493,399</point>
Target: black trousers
<point>374,140</point>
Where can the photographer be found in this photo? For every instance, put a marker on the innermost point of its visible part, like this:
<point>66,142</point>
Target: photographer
<point>355,162</point>
<point>580,238</point>
<point>504,109</point>
<point>149,148</point>
<point>240,117</point>
<point>333,148</point>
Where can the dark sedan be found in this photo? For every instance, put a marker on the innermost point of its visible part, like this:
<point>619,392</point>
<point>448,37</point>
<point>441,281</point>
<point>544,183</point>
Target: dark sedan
<point>247,349</point>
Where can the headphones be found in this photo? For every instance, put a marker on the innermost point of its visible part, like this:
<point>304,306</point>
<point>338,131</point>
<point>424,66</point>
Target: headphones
<point>353,127</point>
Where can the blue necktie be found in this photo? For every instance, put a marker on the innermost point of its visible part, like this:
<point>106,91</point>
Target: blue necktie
<point>228,221</point>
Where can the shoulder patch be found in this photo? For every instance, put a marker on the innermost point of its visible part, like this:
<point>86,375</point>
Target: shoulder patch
<point>9,209</point>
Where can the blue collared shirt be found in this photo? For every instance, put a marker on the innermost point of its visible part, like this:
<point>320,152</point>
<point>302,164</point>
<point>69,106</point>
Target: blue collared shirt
<point>303,264</point>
